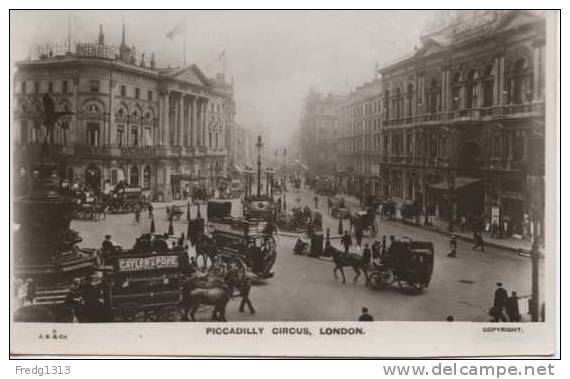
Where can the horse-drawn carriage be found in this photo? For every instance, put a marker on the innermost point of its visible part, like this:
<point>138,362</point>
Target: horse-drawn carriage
<point>408,263</point>
<point>300,220</point>
<point>241,243</point>
<point>366,221</point>
<point>175,212</point>
<point>125,199</point>
<point>200,193</point>
<point>88,207</point>
<point>339,209</point>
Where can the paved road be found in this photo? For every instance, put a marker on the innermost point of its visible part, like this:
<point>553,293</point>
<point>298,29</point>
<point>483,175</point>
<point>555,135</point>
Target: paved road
<point>304,289</point>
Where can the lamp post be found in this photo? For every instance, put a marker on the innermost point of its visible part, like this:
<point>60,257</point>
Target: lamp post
<point>535,186</point>
<point>451,197</point>
<point>259,145</point>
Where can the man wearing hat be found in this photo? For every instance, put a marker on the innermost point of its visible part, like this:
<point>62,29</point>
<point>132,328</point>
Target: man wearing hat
<point>500,302</point>
<point>365,316</point>
<point>74,298</point>
<point>453,247</point>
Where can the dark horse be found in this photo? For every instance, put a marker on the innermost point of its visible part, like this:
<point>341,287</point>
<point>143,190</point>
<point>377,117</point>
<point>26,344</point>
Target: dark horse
<point>342,260</point>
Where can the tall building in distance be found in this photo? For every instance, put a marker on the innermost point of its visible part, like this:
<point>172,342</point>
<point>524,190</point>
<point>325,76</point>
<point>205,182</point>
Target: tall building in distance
<point>457,125</point>
<point>358,140</point>
<point>163,129</point>
<point>318,130</point>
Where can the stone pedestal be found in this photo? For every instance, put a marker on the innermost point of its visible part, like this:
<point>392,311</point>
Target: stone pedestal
<point>45,247</point>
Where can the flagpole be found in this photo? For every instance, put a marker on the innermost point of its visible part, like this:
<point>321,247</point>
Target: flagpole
<point>184,50</point>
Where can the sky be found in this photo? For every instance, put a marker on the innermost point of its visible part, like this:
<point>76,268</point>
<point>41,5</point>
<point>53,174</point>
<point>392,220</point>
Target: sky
<point>274,57</point>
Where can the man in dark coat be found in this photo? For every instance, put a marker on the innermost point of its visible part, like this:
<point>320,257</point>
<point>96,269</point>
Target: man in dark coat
<point>359,233</point>
<point>366,255</point>
<point>346,241</point>
<point>513,308</point>
<point>500,302</point>
<point>365,316</point>
<point>453,247</point>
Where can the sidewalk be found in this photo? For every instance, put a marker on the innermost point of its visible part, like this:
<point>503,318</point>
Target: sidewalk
<point>440,226</point>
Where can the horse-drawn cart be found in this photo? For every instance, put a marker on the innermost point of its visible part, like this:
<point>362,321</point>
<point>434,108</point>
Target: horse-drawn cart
<point>408,263</point>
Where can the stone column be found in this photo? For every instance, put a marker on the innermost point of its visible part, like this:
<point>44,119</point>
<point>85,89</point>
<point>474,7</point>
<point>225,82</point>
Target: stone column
<point>193,130</point>
<point>189,123</point>
<point>537,72</point>
<point>166,120</point>
<point>181,125</point>
<point>204,123</point>
<point>158,138</point>
<point>501,80</point>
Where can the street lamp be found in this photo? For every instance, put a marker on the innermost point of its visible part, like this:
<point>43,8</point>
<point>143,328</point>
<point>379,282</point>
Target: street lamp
<point>259,145</point>
<point>535,186</point>
<point>451,198</point>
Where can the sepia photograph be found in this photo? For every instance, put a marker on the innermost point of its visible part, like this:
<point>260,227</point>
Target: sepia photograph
<point>296,177</point>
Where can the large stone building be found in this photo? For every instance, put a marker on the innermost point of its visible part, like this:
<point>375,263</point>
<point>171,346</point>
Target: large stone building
<point>359,121</point>
<point>163,129</point>
<point>463,116</point>
<point>318,132</point>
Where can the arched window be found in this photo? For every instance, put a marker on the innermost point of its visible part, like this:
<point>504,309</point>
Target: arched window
<point>488,85</point>
<point>434,94</point>
<point>397,103</point>
<point>520,83</point>
<point>456,92</point>
<point>146,177</point>
<point>93,109</point>
<point>134,177</point>
<point>471,90</point>
<point>386,104</point>
<point>409,95</point>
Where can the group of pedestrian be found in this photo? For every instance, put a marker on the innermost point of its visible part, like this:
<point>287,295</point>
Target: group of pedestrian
<point>505,307</point>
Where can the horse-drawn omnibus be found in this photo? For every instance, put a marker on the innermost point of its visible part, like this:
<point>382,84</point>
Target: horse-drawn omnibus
<point>125,199</point>
<point>144,287</point>
<point>242,243</point>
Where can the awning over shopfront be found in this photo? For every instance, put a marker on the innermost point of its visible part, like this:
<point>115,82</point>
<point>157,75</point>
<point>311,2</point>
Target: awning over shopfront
<point>459,182</point>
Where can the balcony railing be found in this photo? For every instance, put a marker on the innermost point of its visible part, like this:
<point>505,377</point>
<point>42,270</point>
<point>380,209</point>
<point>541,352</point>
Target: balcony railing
<point>139,151</point>
<point>92,150</point>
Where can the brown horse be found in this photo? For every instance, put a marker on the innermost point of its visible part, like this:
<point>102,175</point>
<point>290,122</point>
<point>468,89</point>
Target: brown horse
<point>342,260</point>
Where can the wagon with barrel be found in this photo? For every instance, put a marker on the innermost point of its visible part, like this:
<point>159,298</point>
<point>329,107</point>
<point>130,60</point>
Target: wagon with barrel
<point>408,263</point>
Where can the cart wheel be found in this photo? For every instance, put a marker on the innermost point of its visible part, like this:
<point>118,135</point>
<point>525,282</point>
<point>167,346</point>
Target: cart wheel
<point>153,315</point>
<point>417,287</point>
<point>135,316</point>
<point>169,313</point>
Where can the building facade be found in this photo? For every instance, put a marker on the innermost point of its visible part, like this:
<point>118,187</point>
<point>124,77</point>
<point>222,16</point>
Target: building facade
<point>359,123</point>
<point>162,129</point>
<point>463,117</point>
<point>318,132</point>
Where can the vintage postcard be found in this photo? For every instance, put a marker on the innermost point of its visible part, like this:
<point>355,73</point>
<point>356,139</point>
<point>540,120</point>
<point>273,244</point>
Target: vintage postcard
<point>284,183</point>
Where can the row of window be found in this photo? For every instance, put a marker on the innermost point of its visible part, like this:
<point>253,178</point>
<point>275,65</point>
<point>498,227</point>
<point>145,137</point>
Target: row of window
<point>36,87</point>
<point>137,93</point>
